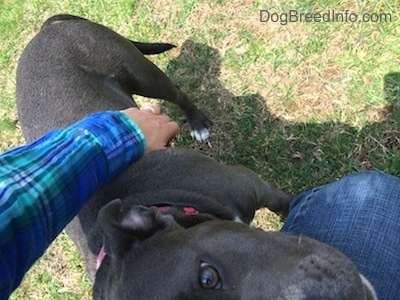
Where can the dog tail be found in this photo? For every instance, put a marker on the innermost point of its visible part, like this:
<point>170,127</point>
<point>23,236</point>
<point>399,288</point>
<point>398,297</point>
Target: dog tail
<point>153,48</point>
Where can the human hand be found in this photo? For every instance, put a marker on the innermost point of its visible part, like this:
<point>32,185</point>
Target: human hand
<point>158,129</point>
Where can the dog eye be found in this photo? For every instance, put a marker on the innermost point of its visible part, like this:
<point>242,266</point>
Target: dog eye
<point>209,277</point>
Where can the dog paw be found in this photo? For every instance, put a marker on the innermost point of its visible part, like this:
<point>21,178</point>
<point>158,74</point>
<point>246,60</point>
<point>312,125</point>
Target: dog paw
<point>200,135</point>
<point>200,126</point>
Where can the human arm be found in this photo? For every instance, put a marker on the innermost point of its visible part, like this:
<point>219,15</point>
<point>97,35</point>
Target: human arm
<point>44,184</point>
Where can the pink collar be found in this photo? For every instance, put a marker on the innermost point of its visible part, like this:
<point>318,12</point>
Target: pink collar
<point>187,209</point>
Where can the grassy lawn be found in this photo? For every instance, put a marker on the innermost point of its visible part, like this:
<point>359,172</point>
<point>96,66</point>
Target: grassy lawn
<point>301,103</point>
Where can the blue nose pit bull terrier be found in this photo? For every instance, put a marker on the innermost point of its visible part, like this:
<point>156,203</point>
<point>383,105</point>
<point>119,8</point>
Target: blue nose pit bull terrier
<point>155,258</point>
<point>173,225</point>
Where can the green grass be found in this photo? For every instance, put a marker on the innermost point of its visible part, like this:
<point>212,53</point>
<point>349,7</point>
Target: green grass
<point>301,104</point>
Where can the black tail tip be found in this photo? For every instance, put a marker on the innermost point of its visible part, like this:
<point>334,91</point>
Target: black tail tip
<point>153,48</point>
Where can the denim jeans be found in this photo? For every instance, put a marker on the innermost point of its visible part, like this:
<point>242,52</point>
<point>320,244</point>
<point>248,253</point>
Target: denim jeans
<point>360,216</point>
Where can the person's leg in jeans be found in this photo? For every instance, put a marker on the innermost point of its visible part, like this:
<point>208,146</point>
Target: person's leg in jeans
<point>360,216</point>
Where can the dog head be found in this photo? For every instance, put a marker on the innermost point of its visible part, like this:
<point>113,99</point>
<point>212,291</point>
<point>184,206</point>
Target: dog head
<point>150,256</point>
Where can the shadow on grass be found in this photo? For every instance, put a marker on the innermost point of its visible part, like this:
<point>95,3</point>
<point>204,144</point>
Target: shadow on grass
<point>294,156</point>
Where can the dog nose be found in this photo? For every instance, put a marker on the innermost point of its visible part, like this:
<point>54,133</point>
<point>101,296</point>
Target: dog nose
<point>319,266</point>
<point>326,276</point>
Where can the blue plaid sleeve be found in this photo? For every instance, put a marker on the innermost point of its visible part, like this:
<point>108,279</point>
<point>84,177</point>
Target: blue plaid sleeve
<point>45,183</point>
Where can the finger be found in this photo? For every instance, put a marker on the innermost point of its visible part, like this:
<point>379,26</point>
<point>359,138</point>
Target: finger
<point>162,118</point>
<point>171,129</point>
<point>155,109</point>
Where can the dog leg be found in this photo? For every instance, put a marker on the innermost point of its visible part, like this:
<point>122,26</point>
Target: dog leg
<point>142,77</point>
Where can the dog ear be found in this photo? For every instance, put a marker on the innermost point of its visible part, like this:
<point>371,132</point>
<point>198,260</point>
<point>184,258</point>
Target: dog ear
<point>127,226</point>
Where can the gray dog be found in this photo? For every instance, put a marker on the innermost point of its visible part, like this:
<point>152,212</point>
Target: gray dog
<point>174,225</point>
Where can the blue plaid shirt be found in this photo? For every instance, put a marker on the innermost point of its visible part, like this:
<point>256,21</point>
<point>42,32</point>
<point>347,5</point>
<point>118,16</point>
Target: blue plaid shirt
<point>45,183</point>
